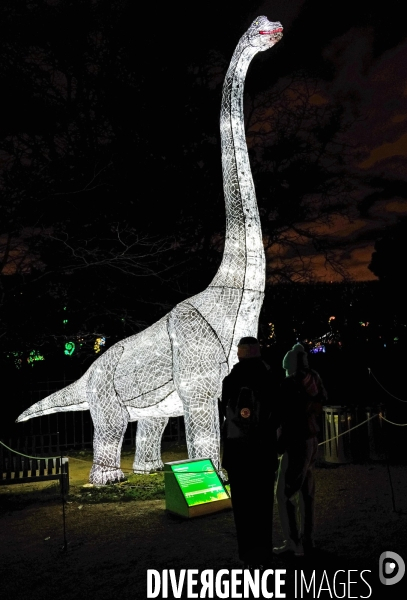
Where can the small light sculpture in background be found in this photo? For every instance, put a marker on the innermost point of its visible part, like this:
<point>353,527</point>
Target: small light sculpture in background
<point>34,356</point>
<point>318,349</point>
<point>99,343</point>
<point>69,348</point>
<point>271,338</point>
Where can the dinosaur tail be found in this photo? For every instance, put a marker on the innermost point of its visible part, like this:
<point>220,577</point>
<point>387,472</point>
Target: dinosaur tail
<point>70,398</point>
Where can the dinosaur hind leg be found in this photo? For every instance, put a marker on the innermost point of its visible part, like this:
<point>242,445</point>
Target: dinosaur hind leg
<point>148,444</point>
<point>109,418</point>
<point>110,423</point>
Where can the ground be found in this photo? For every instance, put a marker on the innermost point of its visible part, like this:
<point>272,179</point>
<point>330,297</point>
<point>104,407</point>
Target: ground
<point>110,545</point>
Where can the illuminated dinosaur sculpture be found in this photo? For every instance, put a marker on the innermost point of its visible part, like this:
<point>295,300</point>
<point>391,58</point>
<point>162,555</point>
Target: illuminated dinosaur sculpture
<point>177,365</point>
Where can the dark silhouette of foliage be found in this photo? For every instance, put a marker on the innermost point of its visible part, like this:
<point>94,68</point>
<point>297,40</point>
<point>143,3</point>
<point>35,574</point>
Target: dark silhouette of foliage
<point>390,255</point>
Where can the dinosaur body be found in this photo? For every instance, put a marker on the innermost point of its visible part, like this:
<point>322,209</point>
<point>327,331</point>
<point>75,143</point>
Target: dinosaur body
<point>177,365</point>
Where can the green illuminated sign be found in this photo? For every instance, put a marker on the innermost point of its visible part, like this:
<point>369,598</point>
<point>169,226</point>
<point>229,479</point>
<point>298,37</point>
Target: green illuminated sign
<point>199,482</point>
<point>193,487</point>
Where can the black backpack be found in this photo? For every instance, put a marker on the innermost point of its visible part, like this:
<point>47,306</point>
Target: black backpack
<point>242,420</point>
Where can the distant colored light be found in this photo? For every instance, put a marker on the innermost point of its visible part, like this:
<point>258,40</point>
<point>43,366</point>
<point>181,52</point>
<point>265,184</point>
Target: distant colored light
<point>99,342</point>
<point>317,349</point>
<point>17,357</point>
<point>69,348</point>
<point>34,356</point>
<point>65,321</point>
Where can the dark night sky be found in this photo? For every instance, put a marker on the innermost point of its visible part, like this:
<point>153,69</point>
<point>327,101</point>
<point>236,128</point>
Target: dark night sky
<point>359,51</point>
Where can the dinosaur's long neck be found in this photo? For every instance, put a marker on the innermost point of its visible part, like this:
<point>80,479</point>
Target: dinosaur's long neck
<point>243,263</point>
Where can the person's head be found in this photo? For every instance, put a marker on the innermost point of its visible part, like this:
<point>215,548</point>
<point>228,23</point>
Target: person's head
<point>295,360</point>
<point>248,347</point>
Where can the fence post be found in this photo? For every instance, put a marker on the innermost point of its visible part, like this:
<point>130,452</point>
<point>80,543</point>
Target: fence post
<point>2,469</point>
<point>64,476</point>
<point>26,466</point>
<point>82,431</point>
<point>9,462</point>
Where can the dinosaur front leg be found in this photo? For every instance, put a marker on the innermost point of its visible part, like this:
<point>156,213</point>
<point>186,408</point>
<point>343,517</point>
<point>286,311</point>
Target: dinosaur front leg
<point>198,364</point>
<point>202,427</point>
<point>148,445</point>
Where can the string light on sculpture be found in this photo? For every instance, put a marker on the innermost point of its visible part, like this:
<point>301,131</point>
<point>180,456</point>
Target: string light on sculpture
<point>177,365</point>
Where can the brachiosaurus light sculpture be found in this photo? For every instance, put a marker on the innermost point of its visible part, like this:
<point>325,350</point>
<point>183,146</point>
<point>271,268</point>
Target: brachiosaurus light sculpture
<point>177,365</point>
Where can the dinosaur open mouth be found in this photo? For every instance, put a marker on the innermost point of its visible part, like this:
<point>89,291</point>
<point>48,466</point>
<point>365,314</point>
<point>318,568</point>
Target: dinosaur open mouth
<point>271,31</point>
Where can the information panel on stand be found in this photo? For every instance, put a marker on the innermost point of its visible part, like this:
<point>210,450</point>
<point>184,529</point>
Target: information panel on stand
<point>193,487</point>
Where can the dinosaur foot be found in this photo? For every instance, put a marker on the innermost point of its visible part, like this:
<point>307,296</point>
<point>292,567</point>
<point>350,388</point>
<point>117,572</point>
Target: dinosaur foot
<point>105,475</point>
<point>148,467</point>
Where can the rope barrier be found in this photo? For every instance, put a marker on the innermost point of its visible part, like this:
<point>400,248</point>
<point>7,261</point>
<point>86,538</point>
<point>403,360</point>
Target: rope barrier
<point>383,388</point>
<point>348,430</point>
<point>392,423</point>
<point>27,455</point>
<point>79,459</point>
<point>39,457</point>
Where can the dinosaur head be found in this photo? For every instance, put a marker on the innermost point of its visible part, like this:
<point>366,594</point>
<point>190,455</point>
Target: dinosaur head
<point>263,33</point>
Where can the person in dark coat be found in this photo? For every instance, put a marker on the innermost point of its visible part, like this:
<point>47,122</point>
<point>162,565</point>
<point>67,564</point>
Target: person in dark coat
<point>250,451</point>
<point>302,395</point>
